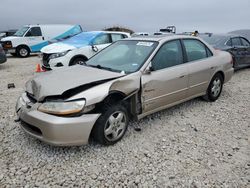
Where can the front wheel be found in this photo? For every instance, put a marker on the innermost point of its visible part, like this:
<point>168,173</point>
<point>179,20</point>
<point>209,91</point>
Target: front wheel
<point>78,61</point>
<point>214,88</point>
<point>111,125</point>
<point>23,51</point>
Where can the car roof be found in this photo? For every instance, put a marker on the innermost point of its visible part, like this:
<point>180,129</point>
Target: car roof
<point>163,37</point>
<point>118,32</point>
<point>43,25</point>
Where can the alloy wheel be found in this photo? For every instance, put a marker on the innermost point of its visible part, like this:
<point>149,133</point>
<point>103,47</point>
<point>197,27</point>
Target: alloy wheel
<point>216,88</point>
<point>115,126</point>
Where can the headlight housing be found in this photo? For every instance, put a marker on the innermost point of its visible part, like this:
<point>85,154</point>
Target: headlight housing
<point>7,44</point>
<point>61,54</point>
<point>62,107</point>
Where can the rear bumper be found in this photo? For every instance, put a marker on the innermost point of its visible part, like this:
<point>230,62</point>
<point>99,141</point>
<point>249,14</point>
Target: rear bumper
<point>55,130</point>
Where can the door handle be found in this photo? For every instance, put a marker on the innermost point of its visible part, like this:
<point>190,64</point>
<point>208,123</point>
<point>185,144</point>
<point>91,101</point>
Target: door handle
<point>43,38</point>
<point>182,76</point>
<point>211,67</point>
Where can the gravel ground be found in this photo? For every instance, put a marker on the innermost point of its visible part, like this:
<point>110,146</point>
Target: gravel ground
<point>195,144</point>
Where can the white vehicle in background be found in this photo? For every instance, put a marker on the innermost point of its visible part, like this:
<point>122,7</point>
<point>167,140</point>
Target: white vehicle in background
<point>140,34</point>
<point>31,38</point>
<point>78,49</point>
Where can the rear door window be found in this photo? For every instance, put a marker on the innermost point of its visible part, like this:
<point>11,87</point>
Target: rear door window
<point>244,42</point>
<point>196,50</point>
<point>116,37</point>
<point>170,54</point>
<point>236,41</point>
<point>102,39</point>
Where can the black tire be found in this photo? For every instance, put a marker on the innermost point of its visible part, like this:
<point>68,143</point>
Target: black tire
<point>119,126</point>
<point>23,51</point>
<point>214,89</point>
<point>14,54</point>
<point>78,60</point>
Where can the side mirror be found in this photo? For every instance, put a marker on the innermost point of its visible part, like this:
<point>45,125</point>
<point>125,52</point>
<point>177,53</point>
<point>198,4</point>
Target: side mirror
<point>94,48</point>
<point>149,69</point>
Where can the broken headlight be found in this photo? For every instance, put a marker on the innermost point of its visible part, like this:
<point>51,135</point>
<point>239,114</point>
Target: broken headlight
<point>53,56</point>
<point>62,108</point>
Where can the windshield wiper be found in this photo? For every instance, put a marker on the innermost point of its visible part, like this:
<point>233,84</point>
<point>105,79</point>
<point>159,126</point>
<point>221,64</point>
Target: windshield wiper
<point>101,67</point>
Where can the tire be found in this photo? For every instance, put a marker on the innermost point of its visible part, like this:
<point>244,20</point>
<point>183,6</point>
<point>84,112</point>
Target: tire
<point>14,54</point>
<point>78,60</point>
<point>214,89</point>
<point>111,125</point>
<point>23,51</point>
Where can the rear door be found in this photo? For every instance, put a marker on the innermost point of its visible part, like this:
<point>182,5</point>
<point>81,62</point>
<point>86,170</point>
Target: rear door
<point>34,38</point>
<point>167,82</point>
<point>200,66</point>
<point>238,50</point>
<point>246,46</point>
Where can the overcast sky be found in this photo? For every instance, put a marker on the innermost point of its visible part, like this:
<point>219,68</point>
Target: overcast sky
<point>138,15</point>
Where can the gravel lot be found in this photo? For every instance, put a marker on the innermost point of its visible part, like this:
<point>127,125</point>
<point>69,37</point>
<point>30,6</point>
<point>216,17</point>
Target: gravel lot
<point>195,144</point>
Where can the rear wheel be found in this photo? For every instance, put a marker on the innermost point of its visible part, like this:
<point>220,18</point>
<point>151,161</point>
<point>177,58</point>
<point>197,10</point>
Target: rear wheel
<point>214,88</point>
<point>23,51</point>
<point>111,125</point>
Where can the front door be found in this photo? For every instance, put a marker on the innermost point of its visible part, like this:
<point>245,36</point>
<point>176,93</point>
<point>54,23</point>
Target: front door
<point>34,39</point>
<point>167,83</point>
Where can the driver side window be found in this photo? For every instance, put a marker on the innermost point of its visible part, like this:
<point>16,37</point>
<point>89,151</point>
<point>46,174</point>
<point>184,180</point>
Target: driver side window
<point>34,32</point>
<point>170,54</point>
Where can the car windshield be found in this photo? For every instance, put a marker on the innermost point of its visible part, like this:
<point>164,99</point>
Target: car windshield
<point>214,39</point>
<point>123,56</point>
<point>21,32</point>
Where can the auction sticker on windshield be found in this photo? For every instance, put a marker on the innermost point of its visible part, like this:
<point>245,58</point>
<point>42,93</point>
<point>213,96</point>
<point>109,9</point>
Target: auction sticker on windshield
<point>145,43</point>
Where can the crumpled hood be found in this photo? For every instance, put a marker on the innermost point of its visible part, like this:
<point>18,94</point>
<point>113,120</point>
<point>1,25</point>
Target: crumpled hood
<point>57,48</point>
<point>56,82</point>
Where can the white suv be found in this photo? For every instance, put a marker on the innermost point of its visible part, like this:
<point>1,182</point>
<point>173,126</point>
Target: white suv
<point>78,49</point>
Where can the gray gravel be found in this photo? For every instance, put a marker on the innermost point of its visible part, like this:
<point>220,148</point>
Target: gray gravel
<point>195,144</point>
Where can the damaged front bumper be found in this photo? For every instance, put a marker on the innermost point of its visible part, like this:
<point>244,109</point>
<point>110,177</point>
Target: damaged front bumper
<point>55,130</point>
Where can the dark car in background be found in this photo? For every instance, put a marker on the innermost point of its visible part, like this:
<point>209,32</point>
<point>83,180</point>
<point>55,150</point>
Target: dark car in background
<point>2,55</point>
<point>237,45</point>
<point>8,33</point>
